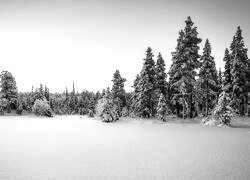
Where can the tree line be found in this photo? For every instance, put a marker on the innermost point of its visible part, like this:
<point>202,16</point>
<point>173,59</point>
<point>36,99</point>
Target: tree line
<point>191,87</point>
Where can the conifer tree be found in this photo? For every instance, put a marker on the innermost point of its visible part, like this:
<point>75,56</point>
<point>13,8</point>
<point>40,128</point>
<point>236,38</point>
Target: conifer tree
<point>46,93</point>
<point>73,100</point>
<point>183,69</point>
<point>118,91</point>
<point>8,89</point>
<point>145,105</point>
<point>134,97</point>
<point>228,79</point>
<point>223,111</point>
<point>239,73</point>
<point>174,76</point>
<point>39,93</point>
<point>208,79</point>
<point>161,76</point>
<point>162,108</point>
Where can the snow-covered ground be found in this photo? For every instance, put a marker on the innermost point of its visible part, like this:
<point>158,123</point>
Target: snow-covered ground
<point>74,147</point>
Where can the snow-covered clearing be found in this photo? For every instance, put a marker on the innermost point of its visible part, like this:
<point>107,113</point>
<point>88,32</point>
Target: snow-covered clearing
<point>75,147</point>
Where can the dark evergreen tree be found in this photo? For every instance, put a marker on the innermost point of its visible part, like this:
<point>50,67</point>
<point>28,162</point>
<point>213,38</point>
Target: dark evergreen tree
<point>161,76</point>
<point>219,82</point>
<point>72,101</point>
<point>39,93</point>
<point>145,105</point>
<point>8,90</point>
<point>208,79</point>
<point>118,91</point>
<point>227,76</point>
<point>239,72</point>
<point>46,93</point>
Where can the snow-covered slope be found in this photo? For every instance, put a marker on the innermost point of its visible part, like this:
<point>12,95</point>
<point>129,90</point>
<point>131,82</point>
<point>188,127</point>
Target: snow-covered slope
<point>70,147</point>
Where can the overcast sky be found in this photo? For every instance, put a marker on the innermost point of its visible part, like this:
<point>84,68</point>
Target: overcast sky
<point>56,42</point>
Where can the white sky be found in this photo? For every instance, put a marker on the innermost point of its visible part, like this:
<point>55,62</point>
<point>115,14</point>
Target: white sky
<point>58,42</point>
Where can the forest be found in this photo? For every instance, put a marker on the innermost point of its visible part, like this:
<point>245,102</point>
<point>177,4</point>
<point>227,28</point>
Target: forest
<point>192,87</point>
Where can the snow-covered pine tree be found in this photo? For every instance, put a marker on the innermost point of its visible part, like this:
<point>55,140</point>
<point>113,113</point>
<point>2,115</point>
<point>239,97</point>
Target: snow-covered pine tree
<point>8,90</point>
<point>174,75</point>
<point>208,79</point>
<point>239,73</point>
<point>183,70</point>
<point>162,108</point>
<point>145,106</point>
<point>223,111</point>
<point>161,76</point>
<point>134,96</point>
<point>118,91</point>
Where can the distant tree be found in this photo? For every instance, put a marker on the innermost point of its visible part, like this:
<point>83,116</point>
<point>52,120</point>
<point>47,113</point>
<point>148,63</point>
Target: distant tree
<point>118,91</point>
<point>239,72</point>
<point>8,90</point>
<point>46,93</point>
<point>72,101</point>
<point>208,79</point>
<point>145,105</point>
<point>39,94</point>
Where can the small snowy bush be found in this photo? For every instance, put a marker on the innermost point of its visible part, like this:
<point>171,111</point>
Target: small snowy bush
<point>106,110</point>
<point>223,112</point>
<point>42,108</point>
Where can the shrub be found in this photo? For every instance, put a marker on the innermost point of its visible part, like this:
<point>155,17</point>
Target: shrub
<point>42,108</point>
<point>106,110</point>
<point>223,111</point>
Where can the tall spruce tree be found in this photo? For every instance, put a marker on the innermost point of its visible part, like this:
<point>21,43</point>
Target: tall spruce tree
<point>183,70</point>
<point>118,91</point>
<point>134,98</point>
<point>146,102</point>
<point>161,76</point>
<point>208,79</point>
<point>8,89</point>
<point>174,76</point>
<point>227,76</point>
<point>239,72</point>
